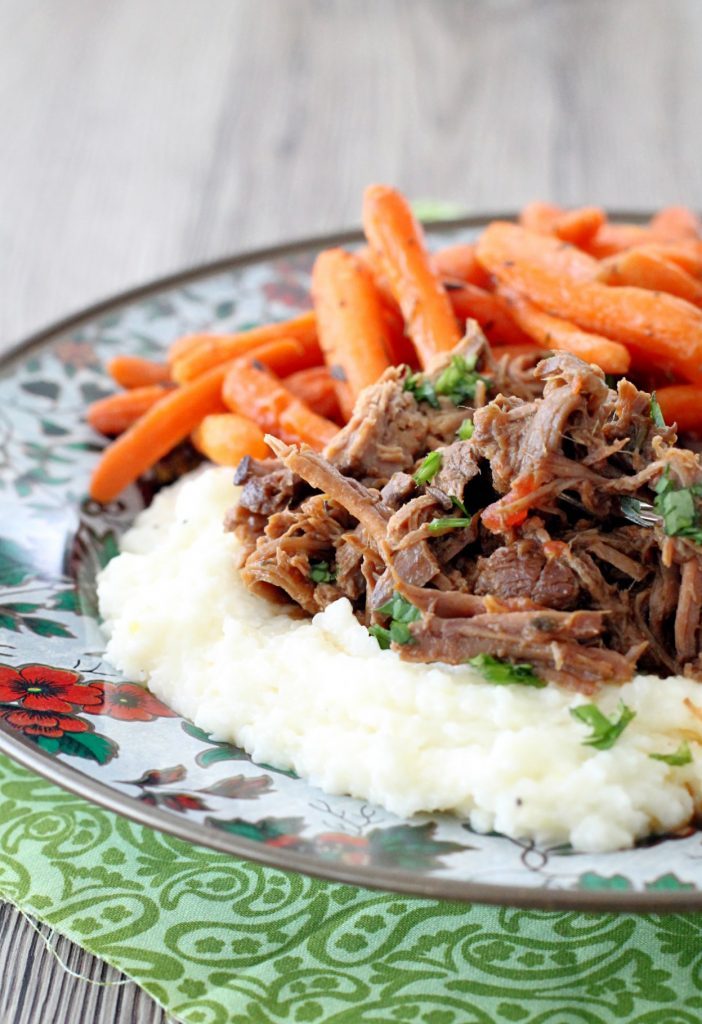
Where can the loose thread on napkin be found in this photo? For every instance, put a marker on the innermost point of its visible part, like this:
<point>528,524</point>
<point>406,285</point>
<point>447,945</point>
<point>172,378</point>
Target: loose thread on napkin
<point>69,970</point>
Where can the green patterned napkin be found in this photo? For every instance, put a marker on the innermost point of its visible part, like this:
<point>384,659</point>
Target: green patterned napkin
<point>220,941</point>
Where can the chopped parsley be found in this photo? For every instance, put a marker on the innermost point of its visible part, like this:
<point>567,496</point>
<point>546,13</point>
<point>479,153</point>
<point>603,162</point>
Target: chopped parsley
<point>422,389</point>
<point>428,469</point>
<point>321,572</point>
<point>465,431</point>
<point>680,757</point>
<point>656,412</point>
<point>459,380</point>
<point>457,503</point>
<point>678,508</point>
<point>497,670</point>
<point>611,380</point>
<point>451,523</point>
<point>605,731</point>
<point>401,612</point>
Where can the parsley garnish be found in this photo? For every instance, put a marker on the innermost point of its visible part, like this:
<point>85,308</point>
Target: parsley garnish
<point>452,523</point>
<point>401,612</point>
<point>605,731</point>
<point>465,431</point>
<point>611,380</point>
<point>457,503</point>
<point>678,509</point>
<point>496,670</point>
<point>422,389</point>
<point>458,381</point>
<point>656,412</point>
<point>321,572</point>
<point>428,469</point>
<point>681,756</point>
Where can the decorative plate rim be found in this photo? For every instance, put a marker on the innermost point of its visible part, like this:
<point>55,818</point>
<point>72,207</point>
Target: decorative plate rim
<point>402,881</point>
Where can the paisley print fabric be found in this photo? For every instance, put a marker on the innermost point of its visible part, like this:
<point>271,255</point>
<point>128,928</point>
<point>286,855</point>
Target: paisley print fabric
<point>220,941</point>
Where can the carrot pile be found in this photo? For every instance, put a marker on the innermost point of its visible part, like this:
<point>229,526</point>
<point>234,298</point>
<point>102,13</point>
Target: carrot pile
<point>626,297</point>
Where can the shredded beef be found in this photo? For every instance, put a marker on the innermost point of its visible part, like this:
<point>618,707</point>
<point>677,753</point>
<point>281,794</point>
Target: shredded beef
<point>518,544</point>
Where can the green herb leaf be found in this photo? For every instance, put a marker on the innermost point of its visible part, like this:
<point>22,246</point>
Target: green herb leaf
<point>452,523</point>
<point>611,380</point>
<point>465,431</point>
<point>678,508</point>
<point>422,389</point>
<point>457,503</point>
<point>681,756</point>
<point>656,413</point>
<point>400,609</point>
<point>459,380</point>
<point>382,635</point>
<point>428,469</point>
<point>321,572</point>
<point>605,731</point>
<point>401,612</point>
<point>497,670</point>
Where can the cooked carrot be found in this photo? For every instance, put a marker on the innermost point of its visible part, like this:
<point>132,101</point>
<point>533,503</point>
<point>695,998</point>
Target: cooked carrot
<point>350,323</point>
<point>578,226</point>
<point>528,247</point>
<point>554,333</point>
<point>472,303</point>
<point>540,217</point>
<point>458,262</point>
<point>645,268</point>
<point>158,431</point>
<point>660,329</point>
<point>400,347</point>
<point>204,351</point>
<point>681,404</point>
<point>252,390</point>
<point>613,238</point>
<point>116,413</point>
<point>225,438</point>
<point>398,241</point>
<point>686,254</point>
<point>675,223</point>
<point>316,388</point>
<point>135,372</point>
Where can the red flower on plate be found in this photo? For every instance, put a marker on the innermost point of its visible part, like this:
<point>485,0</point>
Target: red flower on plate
<point>43,723</point>
<point>42,688</point>
<point>131,703</point>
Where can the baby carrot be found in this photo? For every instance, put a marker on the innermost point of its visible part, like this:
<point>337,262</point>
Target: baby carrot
<point>135,372</point>
<point>116,413</point>
<point>316,387</point>
<point>490,310</point>
<point>225,438</point>
<point>158,431</point>
<point>540,217</point>
<point>659,329</point>
<point>554,333</point>
<point>350,323</point>
<point>613,238</point>
<point>251,390</point>
<point>681,404</point>
<point>458,262</point>
<point>204,351</point>
<point>645,268</point>
<point>397,240</point>
<point>675,223</point>
<point>578,226</point>
<point>400,348</point>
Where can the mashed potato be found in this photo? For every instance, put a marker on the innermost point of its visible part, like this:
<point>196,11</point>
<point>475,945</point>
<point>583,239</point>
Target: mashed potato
<point>320,697</point>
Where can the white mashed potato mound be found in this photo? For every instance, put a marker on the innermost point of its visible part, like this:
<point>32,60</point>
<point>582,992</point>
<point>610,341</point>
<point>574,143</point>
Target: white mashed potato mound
<point>320,697</point>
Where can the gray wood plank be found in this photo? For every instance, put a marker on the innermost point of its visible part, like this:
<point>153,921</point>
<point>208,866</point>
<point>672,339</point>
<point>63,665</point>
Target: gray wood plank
<point>139,138</point>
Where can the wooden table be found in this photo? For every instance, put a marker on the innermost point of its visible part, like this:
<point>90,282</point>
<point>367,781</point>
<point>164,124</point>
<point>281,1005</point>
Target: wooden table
<point>142,137</point>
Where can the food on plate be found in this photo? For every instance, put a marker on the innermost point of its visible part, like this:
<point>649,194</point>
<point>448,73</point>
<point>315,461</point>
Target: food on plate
<point>483,592</point>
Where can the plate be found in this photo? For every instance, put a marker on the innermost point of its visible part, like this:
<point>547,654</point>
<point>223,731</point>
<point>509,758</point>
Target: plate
<point>67,714</point>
